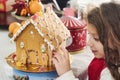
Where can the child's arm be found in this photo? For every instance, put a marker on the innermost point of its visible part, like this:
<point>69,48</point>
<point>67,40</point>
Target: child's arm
<point>62,64</point>
<point>61,61</point>
<point>67,76</point>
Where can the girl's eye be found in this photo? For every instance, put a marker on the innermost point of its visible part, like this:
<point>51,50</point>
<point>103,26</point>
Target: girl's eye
<point>96,39</point>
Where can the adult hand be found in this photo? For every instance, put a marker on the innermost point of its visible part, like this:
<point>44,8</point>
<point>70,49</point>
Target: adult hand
<point>61,61</point>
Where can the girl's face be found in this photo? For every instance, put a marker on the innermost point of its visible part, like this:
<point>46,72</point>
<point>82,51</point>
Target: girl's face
<point>94,42</point>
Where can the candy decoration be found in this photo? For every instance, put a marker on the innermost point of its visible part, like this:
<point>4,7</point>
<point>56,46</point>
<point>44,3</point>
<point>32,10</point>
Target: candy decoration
<point>43,48</point>
<point>21,44</point>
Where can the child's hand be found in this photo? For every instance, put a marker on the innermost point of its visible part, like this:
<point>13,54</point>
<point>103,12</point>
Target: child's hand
<point>61,61</point>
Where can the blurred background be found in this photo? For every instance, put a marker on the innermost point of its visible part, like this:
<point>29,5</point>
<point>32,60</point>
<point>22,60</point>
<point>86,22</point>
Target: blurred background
<point>79,7</point>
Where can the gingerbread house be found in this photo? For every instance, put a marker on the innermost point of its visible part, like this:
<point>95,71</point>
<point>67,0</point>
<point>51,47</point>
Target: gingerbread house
<point>35,40</point>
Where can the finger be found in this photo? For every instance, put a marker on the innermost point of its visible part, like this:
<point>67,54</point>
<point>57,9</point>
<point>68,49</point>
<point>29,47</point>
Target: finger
<point>58,57</point>
<point>66,54</point>
<point>55,61</point>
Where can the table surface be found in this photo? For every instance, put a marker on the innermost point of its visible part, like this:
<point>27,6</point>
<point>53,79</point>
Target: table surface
<point>5,49</point>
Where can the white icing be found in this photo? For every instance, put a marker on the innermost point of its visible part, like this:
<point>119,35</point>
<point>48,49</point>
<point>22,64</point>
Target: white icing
<point>39,31</point>
<point>18,31</point>
<point>49,44</point>
<point>31,32</point>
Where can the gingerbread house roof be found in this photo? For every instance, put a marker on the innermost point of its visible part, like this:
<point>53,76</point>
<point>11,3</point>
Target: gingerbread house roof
<point>50,24</point>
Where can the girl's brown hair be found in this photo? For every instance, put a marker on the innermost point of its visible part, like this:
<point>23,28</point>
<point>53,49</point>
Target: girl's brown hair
<point>106,19</point>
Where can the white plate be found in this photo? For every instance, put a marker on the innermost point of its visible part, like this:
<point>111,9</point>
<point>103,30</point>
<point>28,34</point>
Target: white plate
<point>19,17</point>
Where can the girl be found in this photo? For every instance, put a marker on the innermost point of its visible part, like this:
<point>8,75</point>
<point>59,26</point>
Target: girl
<point>103,27</point>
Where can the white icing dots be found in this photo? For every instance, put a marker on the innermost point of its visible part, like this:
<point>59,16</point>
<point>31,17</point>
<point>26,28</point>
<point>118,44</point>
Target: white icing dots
<point>31,32</point>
